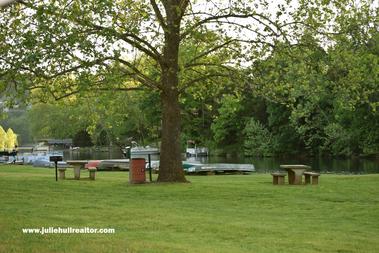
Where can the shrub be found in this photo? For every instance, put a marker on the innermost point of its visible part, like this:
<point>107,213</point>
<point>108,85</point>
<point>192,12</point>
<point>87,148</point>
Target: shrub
<point>258,139</point>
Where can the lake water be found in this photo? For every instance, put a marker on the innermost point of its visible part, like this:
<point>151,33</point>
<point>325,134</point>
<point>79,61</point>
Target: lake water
<point>262,164</point>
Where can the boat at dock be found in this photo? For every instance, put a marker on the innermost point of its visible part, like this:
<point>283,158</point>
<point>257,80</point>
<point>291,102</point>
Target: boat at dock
<point>40,159</point>
<point>217,168</point>
<point>191,167</point>
<point>137,151</point>
<point>144,151</point>
<point>192,150</point>
<point>111,164</point>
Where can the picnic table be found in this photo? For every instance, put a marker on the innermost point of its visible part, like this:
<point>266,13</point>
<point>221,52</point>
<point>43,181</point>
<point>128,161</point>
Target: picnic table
<point>295,172</point>
<point>78,165</point>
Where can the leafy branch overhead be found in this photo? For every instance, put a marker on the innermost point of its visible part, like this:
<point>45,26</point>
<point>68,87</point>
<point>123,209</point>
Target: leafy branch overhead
<point>78,38</point>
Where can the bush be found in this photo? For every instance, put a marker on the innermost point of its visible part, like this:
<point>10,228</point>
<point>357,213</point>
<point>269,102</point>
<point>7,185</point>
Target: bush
<point>258,140</point>
<point>338,140</point>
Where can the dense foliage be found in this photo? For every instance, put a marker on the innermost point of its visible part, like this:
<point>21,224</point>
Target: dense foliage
<point>309,86</point>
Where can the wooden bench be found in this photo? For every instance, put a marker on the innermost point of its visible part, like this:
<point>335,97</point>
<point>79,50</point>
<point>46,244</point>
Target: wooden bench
<point>309,175</point>
<point>278,177</point>
<point>92,172</point>
<point>62,172</point>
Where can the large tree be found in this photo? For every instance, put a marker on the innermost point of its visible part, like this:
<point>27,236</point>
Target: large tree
<point>65,47</point>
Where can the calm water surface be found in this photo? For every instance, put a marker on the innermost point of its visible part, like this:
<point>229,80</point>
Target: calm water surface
<point>262,164</point>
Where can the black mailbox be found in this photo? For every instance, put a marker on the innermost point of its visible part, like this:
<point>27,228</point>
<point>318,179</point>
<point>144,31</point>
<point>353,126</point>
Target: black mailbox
<point>56,158</point>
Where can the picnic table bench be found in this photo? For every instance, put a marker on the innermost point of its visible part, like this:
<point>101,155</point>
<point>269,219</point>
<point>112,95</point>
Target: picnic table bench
<point>278,177</point>
<point>309,175</point>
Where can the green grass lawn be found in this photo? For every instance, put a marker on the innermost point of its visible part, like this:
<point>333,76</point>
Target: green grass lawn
<point>232,213</point>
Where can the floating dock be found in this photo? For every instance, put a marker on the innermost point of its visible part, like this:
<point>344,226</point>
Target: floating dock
<point>219,168</point>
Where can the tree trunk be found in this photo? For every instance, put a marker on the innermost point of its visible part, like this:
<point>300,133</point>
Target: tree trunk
<point>171,169</point>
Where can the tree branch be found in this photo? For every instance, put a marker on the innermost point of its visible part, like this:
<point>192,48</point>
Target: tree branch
<point>57,98</point>
<point>69,70</point>
<point>157,11</point>
<point>311,27</point>
<point>183,6</point>
<point>139,76</point>
<point>210,51</point>
<point>121,89</point>
<point>60,97</point>
<point>208,64</point>
<point>218,17</point>
<point>256,16</point>
<point>136,41</point>
<point>199,79</point>
<point>258,42</point>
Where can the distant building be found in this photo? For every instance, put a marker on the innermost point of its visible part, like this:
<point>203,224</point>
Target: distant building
<point>53,144</point>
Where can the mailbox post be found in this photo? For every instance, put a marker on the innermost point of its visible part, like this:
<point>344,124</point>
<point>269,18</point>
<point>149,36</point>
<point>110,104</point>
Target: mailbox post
<point>150,176</point>
<point>56,159</point>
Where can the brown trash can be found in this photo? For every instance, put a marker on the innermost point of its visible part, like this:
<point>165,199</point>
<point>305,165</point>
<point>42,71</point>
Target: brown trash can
<point>137,171</point>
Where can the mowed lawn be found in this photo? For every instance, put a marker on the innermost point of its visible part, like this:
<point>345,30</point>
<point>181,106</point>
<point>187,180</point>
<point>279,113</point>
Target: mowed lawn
<point>230,213</point>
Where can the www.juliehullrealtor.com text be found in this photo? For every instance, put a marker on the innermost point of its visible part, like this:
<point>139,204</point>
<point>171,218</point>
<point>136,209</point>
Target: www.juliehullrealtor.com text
<point>68,230</point>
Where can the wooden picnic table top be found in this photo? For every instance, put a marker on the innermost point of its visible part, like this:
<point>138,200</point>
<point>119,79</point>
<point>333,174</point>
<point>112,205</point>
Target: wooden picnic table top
<point>77,162</point>
<point>294,166</point>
